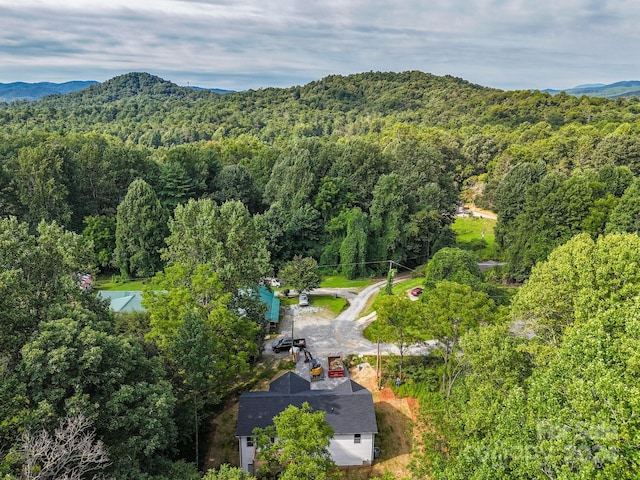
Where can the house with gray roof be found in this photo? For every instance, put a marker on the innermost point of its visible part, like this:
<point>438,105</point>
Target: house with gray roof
<point>348,409</point>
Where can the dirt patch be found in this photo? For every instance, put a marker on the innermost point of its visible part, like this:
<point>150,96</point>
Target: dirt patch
<point>396,427</point>
<point>310,313</point>
<point>223,439</point>
<point>222,444</point>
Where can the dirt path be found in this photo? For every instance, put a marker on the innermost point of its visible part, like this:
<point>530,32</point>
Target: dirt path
<point>478,212</point>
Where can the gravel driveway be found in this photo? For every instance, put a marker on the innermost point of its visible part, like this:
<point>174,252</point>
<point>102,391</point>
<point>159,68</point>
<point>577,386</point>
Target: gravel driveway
<point>341,335</point>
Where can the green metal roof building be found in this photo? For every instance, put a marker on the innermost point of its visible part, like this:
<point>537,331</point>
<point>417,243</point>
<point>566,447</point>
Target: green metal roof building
<point>126,302</point>
<point>123,302</point>
<point>273,307</point>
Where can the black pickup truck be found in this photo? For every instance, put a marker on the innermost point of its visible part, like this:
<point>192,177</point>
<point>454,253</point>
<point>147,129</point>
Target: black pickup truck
<point>284,344</point>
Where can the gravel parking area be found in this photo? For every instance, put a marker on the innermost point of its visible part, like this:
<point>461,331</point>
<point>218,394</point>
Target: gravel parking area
<point>327,335</point>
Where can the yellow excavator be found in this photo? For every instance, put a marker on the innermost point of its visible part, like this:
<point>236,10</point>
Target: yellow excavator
<point>316,369</point>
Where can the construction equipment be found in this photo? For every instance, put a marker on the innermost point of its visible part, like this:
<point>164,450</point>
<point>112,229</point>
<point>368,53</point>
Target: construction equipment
<point>315,369</point>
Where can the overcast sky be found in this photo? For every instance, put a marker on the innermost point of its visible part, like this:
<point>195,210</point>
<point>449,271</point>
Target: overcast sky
<point>242,44</point>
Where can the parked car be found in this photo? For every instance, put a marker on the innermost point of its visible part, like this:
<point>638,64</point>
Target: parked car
<point>284,344</point>
<point>303,300</point>
<point>416,291</point>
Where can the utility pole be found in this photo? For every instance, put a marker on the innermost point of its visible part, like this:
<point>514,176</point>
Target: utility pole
<point>378,364</point>
<point>292,353</point>
<point>390,275</point>
<point>195,411</point>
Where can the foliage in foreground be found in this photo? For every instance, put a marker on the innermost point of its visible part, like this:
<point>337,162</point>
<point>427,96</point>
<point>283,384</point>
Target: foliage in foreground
<point>554,393</point>
<point>300,448</point>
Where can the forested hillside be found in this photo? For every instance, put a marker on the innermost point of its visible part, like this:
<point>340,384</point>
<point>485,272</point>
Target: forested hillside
<point>211,193</point>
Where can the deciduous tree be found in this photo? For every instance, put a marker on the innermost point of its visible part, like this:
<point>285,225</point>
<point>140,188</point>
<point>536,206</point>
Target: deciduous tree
<point>75,364</point>
<point>39,178</point>
<point>227,472</point>
<point>398,322</point>
<point>451,310</point>
<point>101,230</point>
<point>625,217</point>
<point>300,448</point>
<point>73,452</point>
<point>37,271</point>
<point>140,231</point>
<point>453,265</point>
<point>301,274</point>
<point>226,237</point>
<point>192,323</point>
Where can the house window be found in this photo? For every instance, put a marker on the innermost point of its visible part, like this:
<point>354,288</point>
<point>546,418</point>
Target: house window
<point>356,438</point>
<point>249,441</point>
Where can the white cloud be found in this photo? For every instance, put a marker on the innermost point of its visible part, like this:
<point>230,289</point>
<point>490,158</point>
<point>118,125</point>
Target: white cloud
<point>252,43</point>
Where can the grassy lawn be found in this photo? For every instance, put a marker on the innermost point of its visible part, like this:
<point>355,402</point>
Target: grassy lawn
<point>288,301</point>
<point>335,305</point>
<point>105,282</point>
<point>341,282</point>
<point>398,289</point>
<point>469,231</point>
<point>402,287</point>
<point>328,302</point>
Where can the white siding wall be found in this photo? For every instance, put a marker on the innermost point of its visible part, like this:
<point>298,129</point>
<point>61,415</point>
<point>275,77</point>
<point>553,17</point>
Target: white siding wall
<point>246,454</point>
<point>343,449</point>
<point>345,452</point>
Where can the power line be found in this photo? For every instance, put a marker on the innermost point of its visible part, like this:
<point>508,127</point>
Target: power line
<point>403,266</point>
<point>358,263</point>
<point>368,263</point>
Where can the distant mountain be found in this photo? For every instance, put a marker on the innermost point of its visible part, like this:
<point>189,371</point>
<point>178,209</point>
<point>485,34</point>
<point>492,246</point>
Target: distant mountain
<point>216,90</point>
<point>128,85</point>
<point>613,90</point>
<point>35,91</point>
<point>125,85</point>
<point>590,85</point>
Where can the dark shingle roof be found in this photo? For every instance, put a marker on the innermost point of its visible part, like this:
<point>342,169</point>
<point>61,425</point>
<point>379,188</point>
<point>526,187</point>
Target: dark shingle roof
<point>348,408</point>
<point>290,383</point>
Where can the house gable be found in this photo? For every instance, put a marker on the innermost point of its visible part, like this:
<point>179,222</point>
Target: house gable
<point>348,410</point>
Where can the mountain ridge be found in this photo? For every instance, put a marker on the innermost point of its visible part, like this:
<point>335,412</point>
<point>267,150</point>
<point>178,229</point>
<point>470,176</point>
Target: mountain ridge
<point>35,91</point>
<point>133,82</point>
<point>624,88</point>
<point>148,83</point>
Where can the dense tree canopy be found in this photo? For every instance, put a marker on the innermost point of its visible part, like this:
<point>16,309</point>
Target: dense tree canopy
<point>349,171</point>
<point>301,274</point>
<point>227,237</point>
<point>553,393</point>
